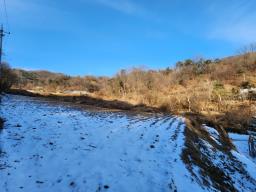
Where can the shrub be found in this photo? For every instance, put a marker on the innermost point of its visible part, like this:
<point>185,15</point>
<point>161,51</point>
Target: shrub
<point>246,85</point>
<point>165,107</point>
<point>238,119</point>
<point>8,78</point>
<point>218,85</point>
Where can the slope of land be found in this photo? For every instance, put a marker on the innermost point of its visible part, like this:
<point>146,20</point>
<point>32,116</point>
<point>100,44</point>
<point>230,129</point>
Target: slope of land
<point>52,146</point>
<point>224,90</point>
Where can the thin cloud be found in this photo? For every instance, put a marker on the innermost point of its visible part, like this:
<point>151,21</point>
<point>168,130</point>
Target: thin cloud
<point>241,32</point>
<point>124,6</point>
<point>234,22</point>
<point>35,14</point>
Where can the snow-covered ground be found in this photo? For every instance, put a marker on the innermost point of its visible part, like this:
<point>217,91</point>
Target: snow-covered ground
<point>241,143</point>
<point>236,165</point>
<point>46,146</point>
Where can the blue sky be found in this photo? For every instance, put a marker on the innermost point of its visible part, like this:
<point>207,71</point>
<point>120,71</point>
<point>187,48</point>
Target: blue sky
<point>100,37</point>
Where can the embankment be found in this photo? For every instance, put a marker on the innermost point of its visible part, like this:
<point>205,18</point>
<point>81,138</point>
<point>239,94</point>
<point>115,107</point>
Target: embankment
<point>88,100</point>
<point>233,121</point>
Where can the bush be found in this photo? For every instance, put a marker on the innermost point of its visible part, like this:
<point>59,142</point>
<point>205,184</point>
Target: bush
<point>246,85</point>
<point>8,77</point>
<point>218,85</point>
<point>238,119</point>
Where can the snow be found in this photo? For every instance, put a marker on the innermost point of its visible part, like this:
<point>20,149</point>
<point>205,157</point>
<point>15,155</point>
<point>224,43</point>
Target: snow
<point>241,143</point>
<point>214,134</point>
<point>48,146</point>
<point>242,153</point>
<point>240,169</point>
<point>249,165</point>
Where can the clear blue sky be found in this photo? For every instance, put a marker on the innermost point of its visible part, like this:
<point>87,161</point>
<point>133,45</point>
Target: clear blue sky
<point>100,37</point>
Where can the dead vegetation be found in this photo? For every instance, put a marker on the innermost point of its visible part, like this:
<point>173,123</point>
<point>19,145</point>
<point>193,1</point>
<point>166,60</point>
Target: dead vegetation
<point>8,77</point>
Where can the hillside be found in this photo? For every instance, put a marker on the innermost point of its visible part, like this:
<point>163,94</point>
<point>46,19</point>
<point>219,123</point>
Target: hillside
<point>221,89</point>
<point>127,96</point>
<point>35,76</point>
<point>188,126</point>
